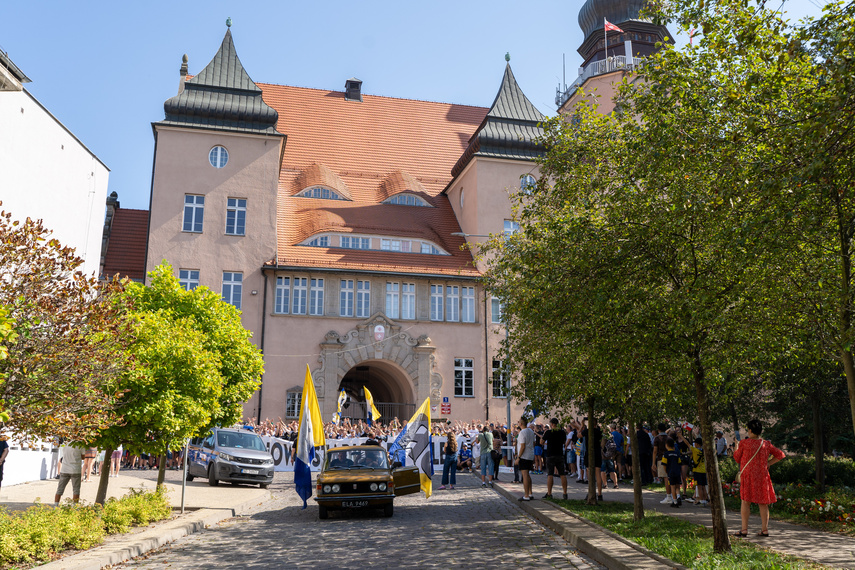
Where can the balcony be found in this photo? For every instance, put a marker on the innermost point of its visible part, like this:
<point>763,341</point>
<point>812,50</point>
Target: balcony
<point>600,67</point>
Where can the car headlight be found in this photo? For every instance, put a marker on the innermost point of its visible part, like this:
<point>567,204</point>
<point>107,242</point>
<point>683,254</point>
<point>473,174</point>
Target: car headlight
<point>267,462</point>
<point>327,488</point>
<point>373,486</point>
<point>336,488</point>
<point>382,486</point>
<point>227,457</point>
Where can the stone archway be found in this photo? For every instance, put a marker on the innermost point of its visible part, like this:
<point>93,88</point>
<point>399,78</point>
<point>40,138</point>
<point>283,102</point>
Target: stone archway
<point>395,349</point>
<point>389,385</point>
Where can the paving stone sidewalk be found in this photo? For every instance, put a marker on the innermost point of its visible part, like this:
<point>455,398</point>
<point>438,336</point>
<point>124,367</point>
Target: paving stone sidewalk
<point>833,550</point>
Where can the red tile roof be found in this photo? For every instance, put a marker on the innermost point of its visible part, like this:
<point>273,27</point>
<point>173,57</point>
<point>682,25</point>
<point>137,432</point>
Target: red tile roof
<point>126,245</point>
<point>376,148</point>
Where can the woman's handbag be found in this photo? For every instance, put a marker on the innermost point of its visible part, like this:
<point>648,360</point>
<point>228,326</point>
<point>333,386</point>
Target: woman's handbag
<point>739,475</point>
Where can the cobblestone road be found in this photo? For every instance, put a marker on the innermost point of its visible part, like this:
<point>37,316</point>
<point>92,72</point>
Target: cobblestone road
<point>469,527</point>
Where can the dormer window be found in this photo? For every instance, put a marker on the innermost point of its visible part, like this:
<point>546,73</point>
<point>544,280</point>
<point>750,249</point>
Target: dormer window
<point>405,199</point>
<point>321,192</point>
<point>322,241</point>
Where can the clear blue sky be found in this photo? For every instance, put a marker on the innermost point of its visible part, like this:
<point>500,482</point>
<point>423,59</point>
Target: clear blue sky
<point>104,68</point>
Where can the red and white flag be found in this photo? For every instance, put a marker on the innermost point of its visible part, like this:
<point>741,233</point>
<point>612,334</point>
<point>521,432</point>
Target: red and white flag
<point>612,27</point>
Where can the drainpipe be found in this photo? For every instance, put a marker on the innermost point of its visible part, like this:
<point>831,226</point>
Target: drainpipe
<point>486,362</point>
<point>263,319</point>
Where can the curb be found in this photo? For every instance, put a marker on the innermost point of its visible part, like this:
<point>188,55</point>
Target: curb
<point>604,546</point>
<point>150,539</point>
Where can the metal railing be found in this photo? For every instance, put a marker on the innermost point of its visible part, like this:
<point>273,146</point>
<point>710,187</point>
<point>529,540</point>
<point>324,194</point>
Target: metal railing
<point>388,410</point>
<point>600,67</point>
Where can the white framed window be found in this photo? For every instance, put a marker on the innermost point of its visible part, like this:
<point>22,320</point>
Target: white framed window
<point>321,192</point>
<point>527,184</point>
<point>452,303</point>
<point>292,404</point>
<point>232,287</point>
<point>301,289</point>
<point>496,310</point>
<point>236,217</point>
<point>464,374</point>
<point>431,249</point>
<point>218,157</point>
<point>511,227</point>
<point>316,297</point>
<point>436,302</point>
<point>407,200</point>
<point>345,307</point>
<point>467,304</point>
<point>352,242</point>
<point>188,278</point>
<point>408,301</point>
<point>363,298</point>
<point>500,380</point>
<point>282,303</point>
<point>390,244</point>
<point>392,299</point>
<point>323,241</point>
<point>194,213</point>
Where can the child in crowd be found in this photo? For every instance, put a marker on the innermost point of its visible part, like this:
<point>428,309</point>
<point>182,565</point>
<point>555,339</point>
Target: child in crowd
<point>671,462</point>
<point>699,470</point>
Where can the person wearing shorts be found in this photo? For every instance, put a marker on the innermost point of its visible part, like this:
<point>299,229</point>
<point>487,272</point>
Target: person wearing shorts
<point>526,457</point>
<point>71,469</point>
<point>555,440</point>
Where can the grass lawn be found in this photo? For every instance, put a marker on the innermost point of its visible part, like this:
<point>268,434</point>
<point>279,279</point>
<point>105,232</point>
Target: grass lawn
<point>681,541</point>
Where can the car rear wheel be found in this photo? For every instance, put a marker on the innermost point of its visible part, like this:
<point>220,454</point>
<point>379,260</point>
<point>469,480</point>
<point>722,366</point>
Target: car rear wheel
<point>388,510</point>
<point>322,512</point>
<point>212,478</point>
<point>189,477</point>
<point>263,485</point>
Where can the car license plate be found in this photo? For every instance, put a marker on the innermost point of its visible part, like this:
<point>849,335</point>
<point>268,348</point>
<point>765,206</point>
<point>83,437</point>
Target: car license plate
<point>354,503</point>
<point>249,471</point>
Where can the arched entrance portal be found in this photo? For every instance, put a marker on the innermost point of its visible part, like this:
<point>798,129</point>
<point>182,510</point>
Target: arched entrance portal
<point>388,384</point>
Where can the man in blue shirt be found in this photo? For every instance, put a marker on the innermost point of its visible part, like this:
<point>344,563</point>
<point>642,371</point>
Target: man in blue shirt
<point>620,463</point>
<point>464,458</point>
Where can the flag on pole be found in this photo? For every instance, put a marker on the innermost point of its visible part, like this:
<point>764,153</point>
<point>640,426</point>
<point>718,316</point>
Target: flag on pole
<point>417,441</point>
<point>342,398</point>
<point>396,450</point>
<point>373,412</point>
<point>310,437</point>
<point>611,27</point>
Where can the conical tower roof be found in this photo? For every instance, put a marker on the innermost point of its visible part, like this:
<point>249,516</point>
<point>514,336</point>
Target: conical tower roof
<point>223,97</point>
<point>510,129</point>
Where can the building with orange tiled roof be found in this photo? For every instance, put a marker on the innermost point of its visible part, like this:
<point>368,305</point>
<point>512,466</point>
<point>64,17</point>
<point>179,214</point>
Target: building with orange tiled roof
<point>338,223</point>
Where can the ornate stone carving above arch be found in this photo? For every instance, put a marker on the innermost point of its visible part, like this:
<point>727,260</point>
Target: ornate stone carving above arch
<point>414,355</point>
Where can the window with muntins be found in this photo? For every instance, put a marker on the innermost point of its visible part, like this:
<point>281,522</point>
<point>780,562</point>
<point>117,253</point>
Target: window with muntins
<point>527,184</point>
<point>351,242</point>
<point>408,301</point>
<point>321,192</point>
<point>431,249</point>
<point>390,244</point>
<point>218,157</point>
<point>511,227</point>
<point>345,308</point>
<point>316,297</point>
<point>188,278</point>
<point>467,304</point>
<point>232,287</point>
<point>407,200</point>
<point>323,241</point>
<point>452,303</point>
<point>283,296</point>
<point>500,380</point>
<point>236,217</point>
<point>464,373</point>
<point>292,404</point>
<point>194,213</point>
<point>436,302</point>
<point>392,300</point>
<point>363,298</point>
<point>496,310</point>
<point>301,289</point>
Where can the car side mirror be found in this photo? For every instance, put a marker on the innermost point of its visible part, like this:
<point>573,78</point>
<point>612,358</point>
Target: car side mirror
<point>396,464</point>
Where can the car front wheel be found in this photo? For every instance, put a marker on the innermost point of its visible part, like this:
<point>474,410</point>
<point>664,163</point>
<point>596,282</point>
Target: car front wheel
<point>322,512</point>
<point>212,478</point>
<point>189,477</point>
<point>388,510</point>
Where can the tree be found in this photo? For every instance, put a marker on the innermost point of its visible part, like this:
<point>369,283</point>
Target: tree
<point>68,344</point>
<point>194,366</point>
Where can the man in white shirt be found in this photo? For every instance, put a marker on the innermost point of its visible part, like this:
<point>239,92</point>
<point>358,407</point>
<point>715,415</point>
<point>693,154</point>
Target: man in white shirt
<point>525,458</point>
<point>70,470</point>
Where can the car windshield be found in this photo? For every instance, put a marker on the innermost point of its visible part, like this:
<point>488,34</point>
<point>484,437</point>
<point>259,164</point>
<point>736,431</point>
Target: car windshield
<point>357,459</point>
<point>240,440</point>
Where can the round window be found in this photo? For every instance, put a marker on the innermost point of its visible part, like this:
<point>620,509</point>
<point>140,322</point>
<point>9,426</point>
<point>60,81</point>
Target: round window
<point>218,157</point>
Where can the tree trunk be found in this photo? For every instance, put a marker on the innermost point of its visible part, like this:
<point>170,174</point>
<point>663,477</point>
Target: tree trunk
<point>104,481</point>
<point>721,541</point>
<point>589,445</point>
<point>161,470</point>
<point>637,496</point>
<point>845,330</point>
<point>818,455</point>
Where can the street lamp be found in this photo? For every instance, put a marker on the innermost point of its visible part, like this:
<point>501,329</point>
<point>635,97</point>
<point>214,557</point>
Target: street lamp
<point>462,234</point>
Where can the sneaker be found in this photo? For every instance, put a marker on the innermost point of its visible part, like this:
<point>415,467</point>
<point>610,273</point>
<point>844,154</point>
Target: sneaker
<point>666,500</point>
<point>547,496</point>
<point>565,496</point>
<point>525,498</point>
<point>703,503</point>
<point>483,483</point>
<point>581,481</point>
<point>490,483</point>
<point>442,488</point>
<point>675,505</point>
<point>679,501</point>
<point>600,498</point>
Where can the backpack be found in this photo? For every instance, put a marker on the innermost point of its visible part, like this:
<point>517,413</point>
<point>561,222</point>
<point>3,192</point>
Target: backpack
<point>610,450</point>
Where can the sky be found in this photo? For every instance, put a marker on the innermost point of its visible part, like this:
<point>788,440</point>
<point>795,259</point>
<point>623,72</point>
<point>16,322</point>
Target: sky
<point>104,68</point>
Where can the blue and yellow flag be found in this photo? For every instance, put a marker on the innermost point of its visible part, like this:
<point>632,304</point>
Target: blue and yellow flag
<point>342,398</point>
<point>310,437</point>
<point>373,412</point>
<point>417,442</point>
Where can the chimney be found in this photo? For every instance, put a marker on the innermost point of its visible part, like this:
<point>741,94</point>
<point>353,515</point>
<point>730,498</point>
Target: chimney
<point>183,73</point>
<point>353,89</point>
<point>112,206</point>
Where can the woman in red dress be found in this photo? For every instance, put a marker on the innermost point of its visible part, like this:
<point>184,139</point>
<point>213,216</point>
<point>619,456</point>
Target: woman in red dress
<point>755,484</point>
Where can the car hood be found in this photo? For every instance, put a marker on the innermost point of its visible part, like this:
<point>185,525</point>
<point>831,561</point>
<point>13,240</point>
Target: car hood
<point>243,452</point>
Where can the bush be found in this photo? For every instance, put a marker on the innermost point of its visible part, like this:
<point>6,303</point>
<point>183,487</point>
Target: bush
<point>40,532</point>
<point>795,469</point>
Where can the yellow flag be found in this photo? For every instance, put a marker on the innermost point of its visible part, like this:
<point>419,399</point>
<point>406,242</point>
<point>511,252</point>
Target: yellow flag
<point>417,442</point>
<point>374,414</point>
<point>312,430</point>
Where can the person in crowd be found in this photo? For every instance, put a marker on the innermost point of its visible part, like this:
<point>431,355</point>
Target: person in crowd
<point>115,460</point>
<point>699,470</point>
<point>449,465</point>
<point>88,461</point>
<point>485,442</point>
<point>538,449</point>
<point>513,441</point>
<point>70,470</point>
<point>496,453</point>
<point>4,452</point>
<point>581,456</point>
<point>684,448</point>
<point>645,454</point>
<point>607,468</point>
<point>476,452</point>
<point>570,449</point>
<point>594,442</point>
<point>720,445</point>
<point>555,440</point>
<point>673,471</point>
<point>525,457</point>
<point>618,438</point>
<point>659,447</point>
<point>755,485</point>
<point>464,459</point>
